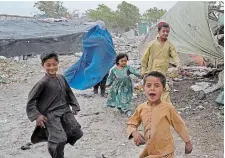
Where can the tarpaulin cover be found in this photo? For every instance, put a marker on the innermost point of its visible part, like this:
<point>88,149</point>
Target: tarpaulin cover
<point>190,30</point>
<point>27,37</point>
<point>97,59</point>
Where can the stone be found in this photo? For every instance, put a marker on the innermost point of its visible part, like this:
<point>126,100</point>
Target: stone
<point>200,107</point>
<point>201,95</point>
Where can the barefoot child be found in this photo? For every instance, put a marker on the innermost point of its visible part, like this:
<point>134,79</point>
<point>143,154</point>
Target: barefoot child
<point>158,54</point>
<point>49,104</point>
<point>121,91</point>
<point>157,117</point>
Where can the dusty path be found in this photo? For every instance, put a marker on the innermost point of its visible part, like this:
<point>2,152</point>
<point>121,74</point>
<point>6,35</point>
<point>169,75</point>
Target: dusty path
<point>104,129</point>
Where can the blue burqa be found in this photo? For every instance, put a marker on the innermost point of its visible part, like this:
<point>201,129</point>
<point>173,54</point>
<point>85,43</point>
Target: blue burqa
<point>97,59</point>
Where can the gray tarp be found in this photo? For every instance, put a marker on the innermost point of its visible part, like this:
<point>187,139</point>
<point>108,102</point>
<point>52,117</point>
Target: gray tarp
<point>26,37</point>
<point>190,30</point>
<point>66,44</point>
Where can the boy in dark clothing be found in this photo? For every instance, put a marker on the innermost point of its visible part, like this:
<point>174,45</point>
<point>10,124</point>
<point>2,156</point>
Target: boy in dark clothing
<point>49,104</point>
<point>102,85</point>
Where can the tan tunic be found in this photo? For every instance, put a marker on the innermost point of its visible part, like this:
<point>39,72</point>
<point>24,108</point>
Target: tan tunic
<point>156,123</point>
<point>157,58</point>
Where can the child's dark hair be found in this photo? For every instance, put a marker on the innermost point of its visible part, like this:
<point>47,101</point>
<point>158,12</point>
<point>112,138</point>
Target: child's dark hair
<point>160,26</point>
<point>120,56</point>
<point>49,55</point>
<point>158,75</point>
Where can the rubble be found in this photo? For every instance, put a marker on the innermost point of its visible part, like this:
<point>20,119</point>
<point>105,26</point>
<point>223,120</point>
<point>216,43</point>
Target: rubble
<point>13,71</point>
<point>220,98</point>
<point>201,95</point>
<point>93,115</point>
<point>189,72</point>
<point>200,86</point>
<point>128,43</point>
<point>2,57</point>
<point>20,71</point>
<point>217,86</point>
<point>200,107</point>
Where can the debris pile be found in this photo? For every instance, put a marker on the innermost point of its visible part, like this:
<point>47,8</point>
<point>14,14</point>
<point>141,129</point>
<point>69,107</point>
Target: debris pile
<point>128,43</point>
<point>216,19</point>
<point>189,72</point>
<point>12,71</point>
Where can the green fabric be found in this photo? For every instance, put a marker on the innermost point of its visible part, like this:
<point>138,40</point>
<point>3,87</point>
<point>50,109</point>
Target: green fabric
<point>121,90</point>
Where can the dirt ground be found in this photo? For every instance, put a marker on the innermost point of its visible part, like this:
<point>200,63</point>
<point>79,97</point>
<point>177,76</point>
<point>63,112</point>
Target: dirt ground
<point>104,129</point>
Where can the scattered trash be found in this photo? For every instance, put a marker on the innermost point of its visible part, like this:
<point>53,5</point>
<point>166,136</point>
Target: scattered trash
<point>217,86</point>
<point>201,74</point>
<point>183,109</point>
<point>3,121</point>
<point>95,113</point>
<point>137,89</point>
<point>200,86</point>
<point>16,58</point>
<point>220,98</point>
<point>184,73</point>
<point>200,107</point>
<point>103,156</point>
<point>86,95</point>
<point>201,95</point>
<point>221,107</point>
<point>134,96</point>
<point>178,79</point>
<point>26,147</point>
<point>2,80</point>
<point>2,57</point>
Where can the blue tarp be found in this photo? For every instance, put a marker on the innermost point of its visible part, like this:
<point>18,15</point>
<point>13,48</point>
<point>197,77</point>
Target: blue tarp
<point>97,59</point>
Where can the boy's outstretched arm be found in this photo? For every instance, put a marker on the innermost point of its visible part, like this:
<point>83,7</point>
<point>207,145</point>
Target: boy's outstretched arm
<point>31,109</point>
<point>181,128</point>
<point>132,126</point>
<point>133,123</point>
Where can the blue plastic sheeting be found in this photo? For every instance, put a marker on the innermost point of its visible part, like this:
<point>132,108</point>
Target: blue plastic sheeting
<point>97,59</point>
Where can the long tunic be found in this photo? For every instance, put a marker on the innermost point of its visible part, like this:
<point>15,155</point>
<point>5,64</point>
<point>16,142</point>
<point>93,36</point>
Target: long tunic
<point>157,58</point>
<point>121,90</point>
<point>156,123</point>
<point>51,97</point>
